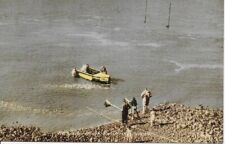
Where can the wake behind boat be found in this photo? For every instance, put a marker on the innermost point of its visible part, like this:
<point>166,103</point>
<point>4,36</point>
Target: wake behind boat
<point>92,74</point>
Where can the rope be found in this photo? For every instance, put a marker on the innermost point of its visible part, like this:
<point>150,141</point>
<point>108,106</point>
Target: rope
<point>116,107</point>
<point>109,118</point>
<point>113,120</point>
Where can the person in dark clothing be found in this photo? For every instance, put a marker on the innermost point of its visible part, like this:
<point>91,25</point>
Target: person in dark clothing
<point>133,103</point>
<point>88,70</point>
<point>125,111</point>
<point>103,69</point>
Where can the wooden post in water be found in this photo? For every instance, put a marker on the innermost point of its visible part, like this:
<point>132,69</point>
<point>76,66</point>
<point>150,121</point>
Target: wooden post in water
<point>168,25</point>
<point>146,7</point>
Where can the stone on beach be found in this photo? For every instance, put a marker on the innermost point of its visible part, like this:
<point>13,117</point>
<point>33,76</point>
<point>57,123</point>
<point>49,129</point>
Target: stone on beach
<point>172,123</point>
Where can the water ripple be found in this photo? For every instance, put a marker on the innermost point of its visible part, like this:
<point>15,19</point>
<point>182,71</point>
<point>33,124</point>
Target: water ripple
<point>13,106</point>
<point>77,86</point>
<point>189,66</point>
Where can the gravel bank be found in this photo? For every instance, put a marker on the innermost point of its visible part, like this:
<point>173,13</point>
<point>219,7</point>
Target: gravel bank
<point>173,123</point>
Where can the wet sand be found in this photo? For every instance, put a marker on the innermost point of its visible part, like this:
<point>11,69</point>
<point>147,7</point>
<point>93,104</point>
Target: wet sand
<point>173,123</point>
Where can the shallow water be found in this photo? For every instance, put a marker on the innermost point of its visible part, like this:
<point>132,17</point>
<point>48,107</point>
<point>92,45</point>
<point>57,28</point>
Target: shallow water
<point>41,41</point>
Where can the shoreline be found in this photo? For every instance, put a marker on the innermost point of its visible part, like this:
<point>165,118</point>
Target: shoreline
<point>173,123</point>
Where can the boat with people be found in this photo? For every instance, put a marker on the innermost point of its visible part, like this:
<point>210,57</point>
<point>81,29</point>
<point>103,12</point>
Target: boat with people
<point>91,74</point>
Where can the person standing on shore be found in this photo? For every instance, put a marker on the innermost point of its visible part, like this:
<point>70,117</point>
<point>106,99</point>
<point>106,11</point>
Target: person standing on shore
<point>133,103</point>
<point>126,107</point>
<point>152,117</point>
<point>129,134</point>
<point>145,95</point>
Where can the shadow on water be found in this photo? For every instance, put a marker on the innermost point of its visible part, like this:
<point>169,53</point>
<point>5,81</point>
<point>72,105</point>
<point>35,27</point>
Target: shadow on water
<point>94,83</point>
<point>116,80</point>
<point>101,84</point>
<point>113,81</point>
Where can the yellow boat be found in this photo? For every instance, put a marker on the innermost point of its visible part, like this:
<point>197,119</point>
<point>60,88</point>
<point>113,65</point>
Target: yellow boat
<point>93,75</point>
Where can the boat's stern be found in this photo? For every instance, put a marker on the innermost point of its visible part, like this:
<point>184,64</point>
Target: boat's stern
<point>102,77</point>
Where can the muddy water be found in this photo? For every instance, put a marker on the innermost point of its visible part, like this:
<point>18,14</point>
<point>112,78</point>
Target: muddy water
<point>40,42</point>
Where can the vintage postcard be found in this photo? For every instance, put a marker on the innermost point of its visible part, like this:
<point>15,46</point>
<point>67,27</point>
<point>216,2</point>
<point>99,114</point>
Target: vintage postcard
<point>111,71</point>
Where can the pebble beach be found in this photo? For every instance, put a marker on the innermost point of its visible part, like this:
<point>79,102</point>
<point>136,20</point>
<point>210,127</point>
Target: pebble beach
<point>172,123</point>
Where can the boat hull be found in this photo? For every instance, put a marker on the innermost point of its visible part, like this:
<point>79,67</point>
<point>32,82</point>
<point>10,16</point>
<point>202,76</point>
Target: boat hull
<point>98,77</point>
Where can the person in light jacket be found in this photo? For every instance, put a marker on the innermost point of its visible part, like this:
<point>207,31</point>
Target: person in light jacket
<point>145,95</point>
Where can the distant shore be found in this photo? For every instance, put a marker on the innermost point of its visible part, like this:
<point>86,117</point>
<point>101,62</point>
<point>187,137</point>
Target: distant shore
<point>173,123</point>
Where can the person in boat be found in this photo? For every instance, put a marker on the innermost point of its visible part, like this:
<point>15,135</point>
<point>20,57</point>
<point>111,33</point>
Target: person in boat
<point>145,95</point>
<point>86,69</point>
<point>74,72</point>
<point>103,70</point>
<point>125,111</point>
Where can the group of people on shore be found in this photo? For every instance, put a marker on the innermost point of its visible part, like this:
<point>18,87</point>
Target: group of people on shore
<point>145,95</point>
